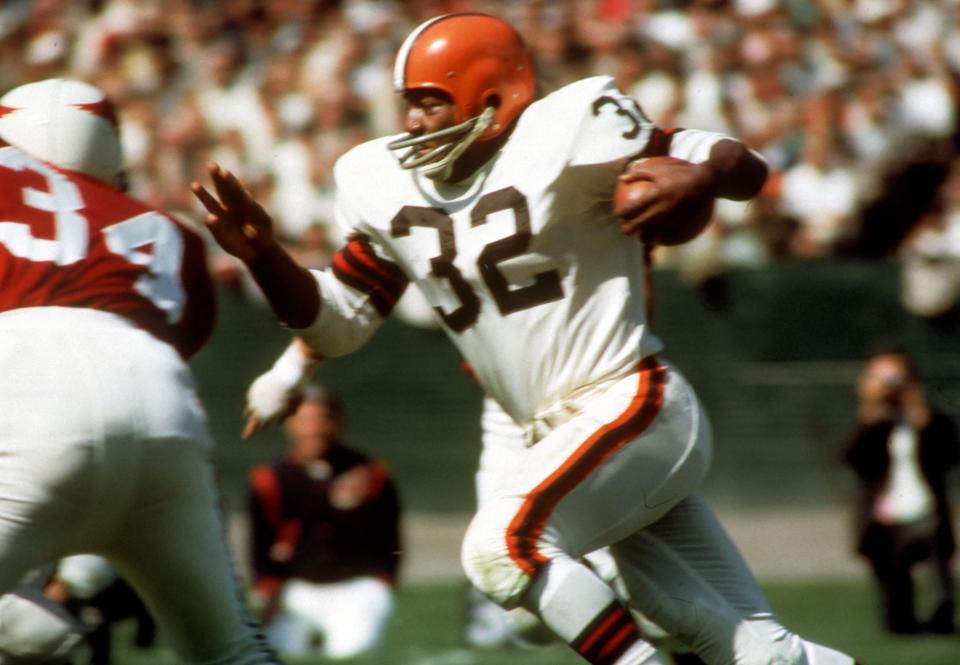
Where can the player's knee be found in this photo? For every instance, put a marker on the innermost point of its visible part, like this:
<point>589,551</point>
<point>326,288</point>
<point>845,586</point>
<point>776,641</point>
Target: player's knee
<point>488,563</point>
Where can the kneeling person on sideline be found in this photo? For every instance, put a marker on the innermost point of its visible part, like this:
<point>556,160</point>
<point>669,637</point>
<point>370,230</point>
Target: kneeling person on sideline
<point>324,539</point>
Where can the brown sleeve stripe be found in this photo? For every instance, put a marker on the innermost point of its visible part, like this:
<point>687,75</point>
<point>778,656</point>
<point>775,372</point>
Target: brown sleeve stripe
<point>659,143</point>
<point>360,246</point>
<point>357,266</point>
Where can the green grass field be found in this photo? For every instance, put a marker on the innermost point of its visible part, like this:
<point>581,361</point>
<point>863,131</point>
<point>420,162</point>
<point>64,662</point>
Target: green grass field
<point>426,631</point>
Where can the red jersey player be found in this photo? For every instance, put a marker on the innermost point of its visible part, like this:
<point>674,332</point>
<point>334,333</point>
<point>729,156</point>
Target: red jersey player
<point>103,443</point>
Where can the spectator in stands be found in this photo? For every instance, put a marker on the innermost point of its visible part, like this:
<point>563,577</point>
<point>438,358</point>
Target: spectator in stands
<point>325,538</point>
<point>820,193</point>
<point>930,258</point>
<point>902,451</point>
<point>746,68</point>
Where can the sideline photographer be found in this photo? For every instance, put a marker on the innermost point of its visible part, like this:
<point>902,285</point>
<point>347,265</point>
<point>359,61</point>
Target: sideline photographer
<point>902,451</point>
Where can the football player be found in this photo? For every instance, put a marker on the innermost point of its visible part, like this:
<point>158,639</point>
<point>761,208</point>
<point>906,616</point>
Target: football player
<point>276,394</point>
<point>499,208</point>
<point>104,445</point>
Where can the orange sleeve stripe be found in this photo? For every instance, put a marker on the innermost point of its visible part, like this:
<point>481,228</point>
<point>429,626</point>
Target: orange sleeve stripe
<point>266,487</point>
<point>360,248</point>
<point>358,267</point>
<point>342,269</point>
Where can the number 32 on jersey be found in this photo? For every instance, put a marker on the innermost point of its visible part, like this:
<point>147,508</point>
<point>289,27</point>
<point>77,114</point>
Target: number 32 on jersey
<point>545,286</point>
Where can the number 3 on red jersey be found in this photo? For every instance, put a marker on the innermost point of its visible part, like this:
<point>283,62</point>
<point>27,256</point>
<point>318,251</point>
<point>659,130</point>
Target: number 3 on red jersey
<point>51,205</point>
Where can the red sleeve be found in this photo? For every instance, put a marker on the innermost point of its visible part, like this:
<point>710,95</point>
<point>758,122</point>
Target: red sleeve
<point>200,313</point>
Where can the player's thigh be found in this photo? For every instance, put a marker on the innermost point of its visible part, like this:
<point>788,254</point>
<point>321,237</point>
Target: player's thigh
<point>46,502</point>
<point>30,536</point>
<point>47,451</point>
<point>174,551</point>
<point>601,495</point>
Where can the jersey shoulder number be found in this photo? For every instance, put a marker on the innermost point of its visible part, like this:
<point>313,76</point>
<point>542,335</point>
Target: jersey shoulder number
<point>95,246</point>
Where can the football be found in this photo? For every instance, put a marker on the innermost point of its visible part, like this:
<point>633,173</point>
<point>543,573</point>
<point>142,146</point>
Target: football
<point>681,223</point>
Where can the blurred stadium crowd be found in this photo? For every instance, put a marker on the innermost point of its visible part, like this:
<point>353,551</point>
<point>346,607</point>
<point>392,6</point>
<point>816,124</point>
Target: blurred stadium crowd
<point>853,103</point>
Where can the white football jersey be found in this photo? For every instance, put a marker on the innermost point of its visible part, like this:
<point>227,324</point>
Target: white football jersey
<point>524,262</point>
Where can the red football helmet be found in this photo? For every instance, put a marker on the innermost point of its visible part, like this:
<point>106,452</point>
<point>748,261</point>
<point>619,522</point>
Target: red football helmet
<point>482,63</point>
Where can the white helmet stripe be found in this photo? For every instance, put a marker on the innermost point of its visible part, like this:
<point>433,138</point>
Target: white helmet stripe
<point>400,64</point>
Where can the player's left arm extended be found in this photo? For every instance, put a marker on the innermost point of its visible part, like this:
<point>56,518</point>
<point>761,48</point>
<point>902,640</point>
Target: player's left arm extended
<point>244,229</point>
<point>336,310</point>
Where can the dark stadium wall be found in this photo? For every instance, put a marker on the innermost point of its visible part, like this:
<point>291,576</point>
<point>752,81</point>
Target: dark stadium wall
<point>774,361</point>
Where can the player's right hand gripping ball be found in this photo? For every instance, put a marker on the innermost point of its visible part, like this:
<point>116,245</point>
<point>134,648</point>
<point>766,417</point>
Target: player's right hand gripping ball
<point>659,201</point>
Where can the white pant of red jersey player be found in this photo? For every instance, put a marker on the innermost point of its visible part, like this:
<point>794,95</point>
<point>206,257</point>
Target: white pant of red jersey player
<point>618,466</point>
<point>104,449</point>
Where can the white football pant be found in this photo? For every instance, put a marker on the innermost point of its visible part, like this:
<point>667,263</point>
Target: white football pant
<point>104,449</point>
<point>618,467</point>
<point>337,620</point>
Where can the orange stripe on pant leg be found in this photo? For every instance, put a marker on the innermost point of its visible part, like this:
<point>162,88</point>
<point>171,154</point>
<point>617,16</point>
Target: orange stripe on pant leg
<point>530,520</point>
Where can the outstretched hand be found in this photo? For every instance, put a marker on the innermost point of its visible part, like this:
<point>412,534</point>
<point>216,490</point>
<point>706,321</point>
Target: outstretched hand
<point>238,223</point>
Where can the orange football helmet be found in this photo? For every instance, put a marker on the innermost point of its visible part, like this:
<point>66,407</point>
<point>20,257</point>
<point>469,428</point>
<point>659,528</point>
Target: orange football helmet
<point>481,62</point>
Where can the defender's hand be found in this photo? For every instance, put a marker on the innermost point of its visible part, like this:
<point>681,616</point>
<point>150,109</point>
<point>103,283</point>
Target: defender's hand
<point>238,223</point>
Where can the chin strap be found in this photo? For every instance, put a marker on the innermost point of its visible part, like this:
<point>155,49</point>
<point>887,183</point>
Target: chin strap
<point>438,162</point>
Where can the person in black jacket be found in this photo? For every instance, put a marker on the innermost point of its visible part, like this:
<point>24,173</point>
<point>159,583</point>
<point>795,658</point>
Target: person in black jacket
<point>902,451</point>
<point>325,538</point>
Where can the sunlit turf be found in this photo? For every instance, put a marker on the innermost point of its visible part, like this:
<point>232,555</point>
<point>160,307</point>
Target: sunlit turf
<point>426,631</point>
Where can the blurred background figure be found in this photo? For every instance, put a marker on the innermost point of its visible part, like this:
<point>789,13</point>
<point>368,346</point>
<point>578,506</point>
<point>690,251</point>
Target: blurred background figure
<point>35,628</point>
<point>325,538</point>
<point>89,587</point>
<point>902,451</point>
<point>930,257</point>
<point>59,608</point>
